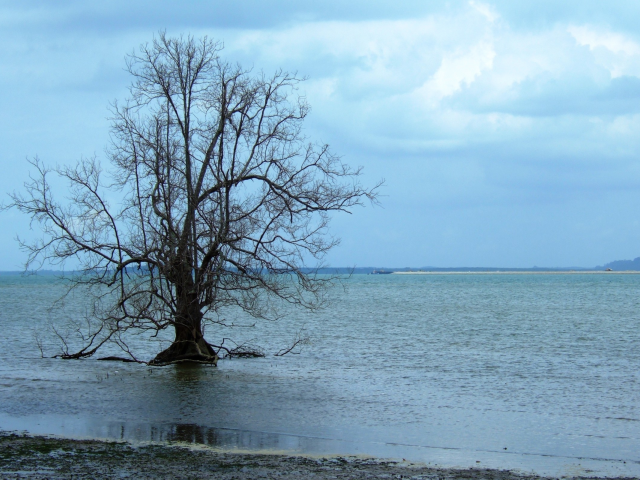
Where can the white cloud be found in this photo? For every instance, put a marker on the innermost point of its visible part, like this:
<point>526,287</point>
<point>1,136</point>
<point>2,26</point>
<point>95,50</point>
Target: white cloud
<point>486,10</point>
<point>458,69</point>
<point>615,42</point>
<point>614,51</point>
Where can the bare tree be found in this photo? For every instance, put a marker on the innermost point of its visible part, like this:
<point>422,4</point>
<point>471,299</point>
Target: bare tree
<point>220,201</point>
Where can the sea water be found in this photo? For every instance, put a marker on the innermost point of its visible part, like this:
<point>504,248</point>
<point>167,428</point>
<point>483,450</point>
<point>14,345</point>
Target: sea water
<point>530,372</point>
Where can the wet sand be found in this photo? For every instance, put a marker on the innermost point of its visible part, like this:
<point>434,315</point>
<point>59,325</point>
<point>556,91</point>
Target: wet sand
<point>37,457</point>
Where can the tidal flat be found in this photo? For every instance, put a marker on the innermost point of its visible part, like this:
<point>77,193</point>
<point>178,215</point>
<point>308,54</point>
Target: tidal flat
<point>38,457</point>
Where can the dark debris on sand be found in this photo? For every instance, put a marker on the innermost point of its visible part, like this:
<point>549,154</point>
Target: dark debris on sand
<point>35,457</point>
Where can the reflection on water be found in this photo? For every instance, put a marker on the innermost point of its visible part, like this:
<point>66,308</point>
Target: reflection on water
<point>519,372</point>
<point>196,434</point>
<point>234,440</point>
<point>190,374</point>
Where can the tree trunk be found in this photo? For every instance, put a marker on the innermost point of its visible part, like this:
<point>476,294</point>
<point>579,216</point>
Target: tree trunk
<point>189,344</point>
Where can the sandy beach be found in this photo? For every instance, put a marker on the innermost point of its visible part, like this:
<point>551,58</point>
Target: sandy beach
<point>36,457</point>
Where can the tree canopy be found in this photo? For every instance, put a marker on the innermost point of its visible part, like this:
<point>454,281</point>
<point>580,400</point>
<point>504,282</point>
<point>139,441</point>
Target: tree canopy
<point>213,198</point>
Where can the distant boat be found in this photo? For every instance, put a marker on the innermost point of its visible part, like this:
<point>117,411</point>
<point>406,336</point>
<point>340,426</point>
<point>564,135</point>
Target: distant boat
<point>381,272</point>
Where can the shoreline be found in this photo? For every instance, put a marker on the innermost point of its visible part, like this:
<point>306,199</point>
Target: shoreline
<point>523,272</point>
<point>27,456</point>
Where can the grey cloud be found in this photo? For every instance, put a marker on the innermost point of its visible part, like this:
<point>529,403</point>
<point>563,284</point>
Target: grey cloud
<point>122,15</point>
<point>544,96</point>
<point>544,14</point>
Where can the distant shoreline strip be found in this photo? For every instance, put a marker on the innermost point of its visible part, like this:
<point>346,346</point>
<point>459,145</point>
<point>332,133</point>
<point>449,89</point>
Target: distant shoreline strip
<point>525,272</point>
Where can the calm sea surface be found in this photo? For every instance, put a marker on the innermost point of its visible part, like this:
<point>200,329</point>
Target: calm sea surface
<point>533,372</point>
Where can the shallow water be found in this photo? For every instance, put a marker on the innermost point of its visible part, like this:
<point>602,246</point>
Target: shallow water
<point>514,371</point>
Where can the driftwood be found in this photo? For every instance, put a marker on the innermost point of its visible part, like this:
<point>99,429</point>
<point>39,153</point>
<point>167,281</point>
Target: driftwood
<point>244,350</point>
<point>120,359</point>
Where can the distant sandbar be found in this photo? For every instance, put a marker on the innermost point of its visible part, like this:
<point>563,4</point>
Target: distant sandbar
<point>522,272</point>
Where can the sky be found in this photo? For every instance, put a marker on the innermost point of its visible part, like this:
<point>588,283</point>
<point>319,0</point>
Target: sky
<point>507,133</point>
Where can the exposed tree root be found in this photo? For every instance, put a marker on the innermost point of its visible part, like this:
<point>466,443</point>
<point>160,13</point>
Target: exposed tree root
<point>195,351</point>
<point>155,363</point>
<point>198,351</point>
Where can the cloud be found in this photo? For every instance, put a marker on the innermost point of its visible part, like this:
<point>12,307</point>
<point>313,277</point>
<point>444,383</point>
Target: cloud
<point>486,10</point>
<point>460,69</point>
<point>614,42</point>
<point>476,113</point>
<point>617,53</point>
<point>470,110</point>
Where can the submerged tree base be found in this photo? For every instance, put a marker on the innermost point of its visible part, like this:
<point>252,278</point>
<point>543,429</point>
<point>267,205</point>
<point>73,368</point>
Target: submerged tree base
<point>197,351</point>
